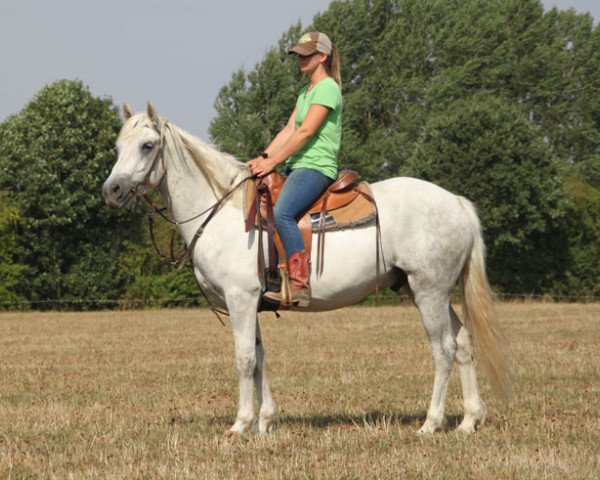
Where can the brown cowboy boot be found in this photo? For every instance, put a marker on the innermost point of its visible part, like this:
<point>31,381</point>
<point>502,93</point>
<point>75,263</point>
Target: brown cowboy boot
<point>298,267</point>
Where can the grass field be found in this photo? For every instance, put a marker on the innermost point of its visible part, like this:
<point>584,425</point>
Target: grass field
<point>148,394</point>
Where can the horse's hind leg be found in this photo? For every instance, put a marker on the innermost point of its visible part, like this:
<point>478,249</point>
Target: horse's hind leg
<point>435,313</point>
<point>474,408</point>
<point>266,406</point>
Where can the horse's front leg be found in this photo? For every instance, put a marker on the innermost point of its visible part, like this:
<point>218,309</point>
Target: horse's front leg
<point>243,323</point>
<point>267,410</point>
<point>249,361</point>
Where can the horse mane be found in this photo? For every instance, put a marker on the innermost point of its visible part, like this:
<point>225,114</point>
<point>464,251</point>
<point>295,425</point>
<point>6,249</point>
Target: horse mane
<point>221,170</point>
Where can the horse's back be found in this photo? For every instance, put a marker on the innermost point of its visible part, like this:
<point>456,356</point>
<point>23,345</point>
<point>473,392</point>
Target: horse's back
<point>422,222</point>
<point>412,197</point>
<point>413,189</point>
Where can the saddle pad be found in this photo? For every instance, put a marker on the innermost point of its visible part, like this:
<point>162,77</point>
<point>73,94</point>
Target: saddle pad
<point>358,212</point>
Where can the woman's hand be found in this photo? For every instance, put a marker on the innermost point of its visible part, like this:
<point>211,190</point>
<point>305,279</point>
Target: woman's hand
<point>260,166</point>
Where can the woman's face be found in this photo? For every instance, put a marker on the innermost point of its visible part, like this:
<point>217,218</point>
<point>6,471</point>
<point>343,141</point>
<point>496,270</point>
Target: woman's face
<point>309,63</point>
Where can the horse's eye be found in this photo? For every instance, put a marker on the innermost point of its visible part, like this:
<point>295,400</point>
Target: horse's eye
<point>147,146</point>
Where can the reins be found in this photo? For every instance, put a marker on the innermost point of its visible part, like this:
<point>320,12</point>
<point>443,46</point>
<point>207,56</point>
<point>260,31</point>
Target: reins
<point>180,259</point>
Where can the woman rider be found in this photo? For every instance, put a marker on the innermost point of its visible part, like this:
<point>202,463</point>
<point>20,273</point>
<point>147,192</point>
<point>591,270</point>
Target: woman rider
<point>308,145</point>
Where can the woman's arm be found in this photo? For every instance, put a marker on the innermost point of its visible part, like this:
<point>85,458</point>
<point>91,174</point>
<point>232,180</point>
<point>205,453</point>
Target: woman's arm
<point>283,136</point>
<point>284,146</point>
<point>280,139</point>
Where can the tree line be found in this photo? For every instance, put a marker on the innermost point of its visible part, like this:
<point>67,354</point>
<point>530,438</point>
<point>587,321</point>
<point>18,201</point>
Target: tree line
<point>495,100</point>
<point>60,246</point>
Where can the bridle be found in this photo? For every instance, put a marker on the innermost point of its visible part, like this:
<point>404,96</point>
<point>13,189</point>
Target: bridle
<point>180,258</point>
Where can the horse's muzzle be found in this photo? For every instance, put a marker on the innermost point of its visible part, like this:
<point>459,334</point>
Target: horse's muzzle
<point>118,192</point>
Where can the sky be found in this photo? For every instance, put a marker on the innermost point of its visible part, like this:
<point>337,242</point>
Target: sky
<point>176,53</point>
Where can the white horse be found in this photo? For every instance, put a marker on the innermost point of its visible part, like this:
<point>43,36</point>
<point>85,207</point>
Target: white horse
<point>430,239</point>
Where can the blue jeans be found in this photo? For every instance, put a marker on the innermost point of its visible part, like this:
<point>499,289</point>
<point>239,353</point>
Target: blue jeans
<point>301,189</point>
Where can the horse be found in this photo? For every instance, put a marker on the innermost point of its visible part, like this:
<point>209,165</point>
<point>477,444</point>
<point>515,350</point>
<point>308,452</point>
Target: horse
<point>430,240</point>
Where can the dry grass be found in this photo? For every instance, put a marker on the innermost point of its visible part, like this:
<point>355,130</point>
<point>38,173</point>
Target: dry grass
<point>148,394</point>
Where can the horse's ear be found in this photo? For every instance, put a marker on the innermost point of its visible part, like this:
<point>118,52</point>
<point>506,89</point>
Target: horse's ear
<point>151,112</point>
<point>127,113</point>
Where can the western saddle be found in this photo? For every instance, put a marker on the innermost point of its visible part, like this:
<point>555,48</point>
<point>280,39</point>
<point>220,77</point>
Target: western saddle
<point>346,203</point>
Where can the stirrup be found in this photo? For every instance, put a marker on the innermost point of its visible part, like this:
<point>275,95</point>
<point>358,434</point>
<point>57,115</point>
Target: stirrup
<point>283,298</point>
<point>299,298</point>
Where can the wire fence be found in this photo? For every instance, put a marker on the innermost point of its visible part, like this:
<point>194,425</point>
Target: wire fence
<point>198,302</point>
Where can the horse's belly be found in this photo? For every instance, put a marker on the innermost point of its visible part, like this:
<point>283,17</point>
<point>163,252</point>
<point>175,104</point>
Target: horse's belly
<point>349,269</point>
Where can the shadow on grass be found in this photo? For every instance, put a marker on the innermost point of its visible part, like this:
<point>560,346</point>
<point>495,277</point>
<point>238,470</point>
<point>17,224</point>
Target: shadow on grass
<point>375,418</point>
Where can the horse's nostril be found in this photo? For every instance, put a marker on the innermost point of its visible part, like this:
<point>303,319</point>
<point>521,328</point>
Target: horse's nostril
<point>115,188</point>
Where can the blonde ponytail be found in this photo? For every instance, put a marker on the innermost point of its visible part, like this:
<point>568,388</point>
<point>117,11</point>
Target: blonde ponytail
<point>333,66</point>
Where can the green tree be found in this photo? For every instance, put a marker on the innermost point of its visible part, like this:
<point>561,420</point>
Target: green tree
<point>151,280</point>
<point>487,150</point>
<point>401,59</point>
<point>11,271</point>
<point>54,156</point>
<point>408,65</point>
<point>252,108</point>
<point>582,226</point>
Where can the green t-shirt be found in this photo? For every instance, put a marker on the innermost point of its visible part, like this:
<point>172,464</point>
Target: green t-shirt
<point>320,152</point>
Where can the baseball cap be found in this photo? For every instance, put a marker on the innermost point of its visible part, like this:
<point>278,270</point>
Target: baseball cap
<point>312,42</point>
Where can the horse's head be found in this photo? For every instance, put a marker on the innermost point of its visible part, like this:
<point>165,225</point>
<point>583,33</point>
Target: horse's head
<point>139,163</point>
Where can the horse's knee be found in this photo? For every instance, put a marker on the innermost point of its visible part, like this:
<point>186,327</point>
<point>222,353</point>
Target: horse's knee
<point>246,364</point>
<point>445,349</point>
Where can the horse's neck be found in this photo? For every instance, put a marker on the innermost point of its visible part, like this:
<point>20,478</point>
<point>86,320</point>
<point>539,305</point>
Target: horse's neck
<point>190,187</point>
<point>186,195</point>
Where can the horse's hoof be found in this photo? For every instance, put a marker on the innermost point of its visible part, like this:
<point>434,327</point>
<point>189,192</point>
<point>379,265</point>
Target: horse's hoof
<point>472,421</point>
<point>232,434</point>
<point>430,427</point>
<point>425,431</point>
<point>465,429</point>
<point>267,429</point>
<point>266,424</point>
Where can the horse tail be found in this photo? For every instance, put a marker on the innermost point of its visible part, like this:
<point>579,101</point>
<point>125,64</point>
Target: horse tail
<point>479,315</point>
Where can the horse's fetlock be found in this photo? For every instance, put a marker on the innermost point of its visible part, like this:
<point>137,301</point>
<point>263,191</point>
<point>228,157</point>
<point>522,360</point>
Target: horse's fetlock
<point>267,425</point>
